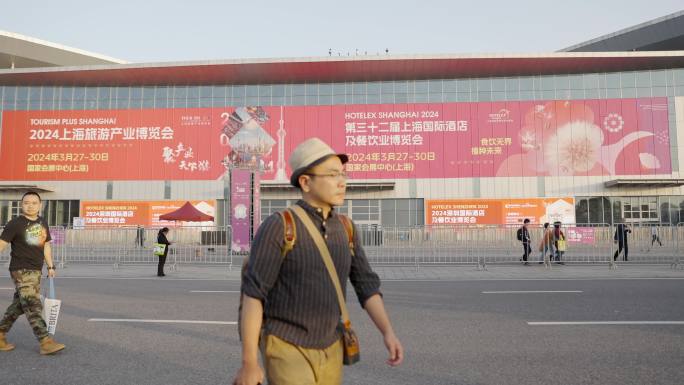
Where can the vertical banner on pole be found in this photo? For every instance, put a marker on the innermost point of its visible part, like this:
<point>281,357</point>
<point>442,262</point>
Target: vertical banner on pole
<point>241,208</point>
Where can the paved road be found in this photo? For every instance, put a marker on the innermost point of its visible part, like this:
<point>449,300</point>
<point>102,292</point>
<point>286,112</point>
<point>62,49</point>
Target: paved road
<point>453,333</point>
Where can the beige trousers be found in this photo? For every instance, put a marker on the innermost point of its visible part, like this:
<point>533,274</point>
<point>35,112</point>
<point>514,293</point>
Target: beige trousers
<point>288,364</point>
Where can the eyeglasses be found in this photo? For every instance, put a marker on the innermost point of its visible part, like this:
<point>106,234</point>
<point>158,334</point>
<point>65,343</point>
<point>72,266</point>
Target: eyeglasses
<point>334,175</point>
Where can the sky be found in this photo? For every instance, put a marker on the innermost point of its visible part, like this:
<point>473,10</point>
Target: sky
<point>171,30</point>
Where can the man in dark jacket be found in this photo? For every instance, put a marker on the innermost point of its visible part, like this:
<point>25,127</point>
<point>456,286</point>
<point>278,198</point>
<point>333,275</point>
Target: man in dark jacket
<point>620,238</point>
<point>524,237</point>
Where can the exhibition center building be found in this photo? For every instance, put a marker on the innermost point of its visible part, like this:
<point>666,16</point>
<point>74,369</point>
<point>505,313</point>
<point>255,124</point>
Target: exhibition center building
<point>582,136</point>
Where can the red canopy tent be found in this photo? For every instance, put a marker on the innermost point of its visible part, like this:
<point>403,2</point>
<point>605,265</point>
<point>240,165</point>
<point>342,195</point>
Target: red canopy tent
<point>187,213</point>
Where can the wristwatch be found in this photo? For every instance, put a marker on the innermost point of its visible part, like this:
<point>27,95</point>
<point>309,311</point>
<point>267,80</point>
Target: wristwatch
<point>51,268</point>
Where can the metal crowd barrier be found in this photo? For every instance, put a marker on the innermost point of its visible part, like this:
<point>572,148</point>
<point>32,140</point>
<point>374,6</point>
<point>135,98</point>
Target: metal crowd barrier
<point>130,245</point>
<point>467,245</point>
<point>480,245</point>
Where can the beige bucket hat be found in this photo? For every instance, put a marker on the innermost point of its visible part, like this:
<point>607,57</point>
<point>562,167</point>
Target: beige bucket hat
<point>308,154</point>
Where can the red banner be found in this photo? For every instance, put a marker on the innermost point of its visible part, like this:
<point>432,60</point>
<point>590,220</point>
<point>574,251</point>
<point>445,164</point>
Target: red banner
<point>389,141</point>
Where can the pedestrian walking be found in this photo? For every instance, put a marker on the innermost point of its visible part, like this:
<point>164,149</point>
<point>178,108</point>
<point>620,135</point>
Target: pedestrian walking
<point>523,236</point>
<point>655,237</point>
<point>163,240</point>
<point>293,300</point>
<point>29,237</point>
<point>620,237</point>
<point>559,242</point>
<point>546,246</point>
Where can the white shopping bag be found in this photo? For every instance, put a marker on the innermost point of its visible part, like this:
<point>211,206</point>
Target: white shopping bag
<point>51,307</point>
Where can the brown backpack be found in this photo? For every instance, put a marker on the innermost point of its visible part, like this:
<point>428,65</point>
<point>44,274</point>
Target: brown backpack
<point>289,239</point>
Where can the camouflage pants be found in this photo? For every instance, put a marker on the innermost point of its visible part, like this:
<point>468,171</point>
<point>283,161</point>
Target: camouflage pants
<point>26,301</point>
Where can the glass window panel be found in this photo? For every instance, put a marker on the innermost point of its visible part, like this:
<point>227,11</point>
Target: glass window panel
<point>134,93</point>
<point>629,92</point>
<point>67,94</point>
<point>613,93</point>
<point>526,83</point>
<point>512,84</point>
<point>193,92</point>
<point>238,91</point>
<point>659,91</point>
<point>280,101</point>
<point>359,99</point>
<point>591,81</point>
<point>387,88</point>
<point>512,95</point>
<point>499,84</point>
<point>659,78</point>
<point>373,88</point>
<point>436,86</point>
<point>449,86</point>
<point>577,94</point>
<point>387,98</point>
<point>422,86</point>
<point>612,80</point>
<point>627,79</point>
<point>547,83</point>
<point>339,89</point>
<point>591,94</point>
<point>252,100</point>
<point>325,89</point>
<point>312,89</point>
<point>403,98</point>
<point>22,93</point>
<point>575,82</point>
<point>298,90</point>
<point>205,92</point>
<point>561,82</point>
<point>252,91</point>
<point>338,99</point>
<point>484,84</point>
<point>421,98</point>
<point>581,211</point>
<point>359,88</point>
<point>373,99</point>
<point>449,97</point>
<point>643,79</point>
<point>562,94</point>
<point>463,96</point>
<point>298,100</point>
<point>463,85</point>
<point>328,99</point>
<point>527,95</point>
<point>278,90</point>
<point>484,96</point>
<point>218,91</point>
<point>643,92</point>
<point>498,95</point>
<point>179,92</point>
<point>35,93</point>
<point>678,76</point>
<point>548,95</point>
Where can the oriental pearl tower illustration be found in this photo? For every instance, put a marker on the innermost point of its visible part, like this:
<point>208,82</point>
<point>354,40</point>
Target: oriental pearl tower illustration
<point>280,173</point>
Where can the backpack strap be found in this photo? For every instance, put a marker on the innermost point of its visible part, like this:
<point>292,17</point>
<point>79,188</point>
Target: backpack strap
<point>349,227</point>
<point>289,232</point>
